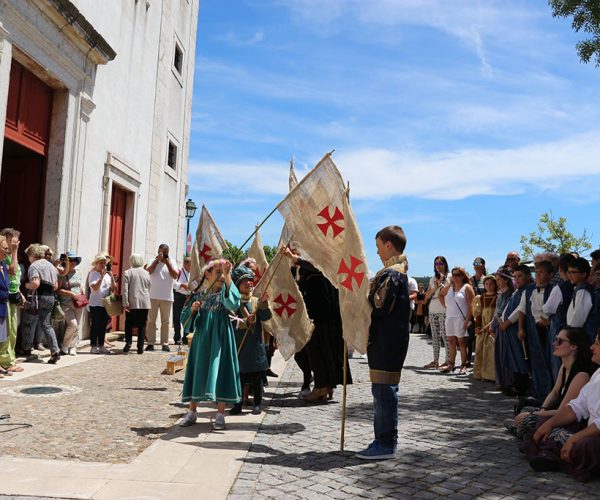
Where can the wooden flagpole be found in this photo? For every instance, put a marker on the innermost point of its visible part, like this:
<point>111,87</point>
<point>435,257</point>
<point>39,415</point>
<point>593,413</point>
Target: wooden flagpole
<point>280,203</point>
<point>344,388</point>
<point>266,287</point>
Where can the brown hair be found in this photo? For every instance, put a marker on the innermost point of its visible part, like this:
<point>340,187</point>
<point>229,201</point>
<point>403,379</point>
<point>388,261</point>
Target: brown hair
<point>395,235</point>
<point>465,276</point>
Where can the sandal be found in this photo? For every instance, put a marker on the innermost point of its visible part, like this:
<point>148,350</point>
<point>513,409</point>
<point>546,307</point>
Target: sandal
<point>15,369</point>
<point>433,364</point>
<point>449,369</point>
<point>463,370</point>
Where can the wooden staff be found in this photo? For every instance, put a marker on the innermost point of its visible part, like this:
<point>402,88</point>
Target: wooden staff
<point>251,329</point>
<point>343,429</point>
<point>344,387</point>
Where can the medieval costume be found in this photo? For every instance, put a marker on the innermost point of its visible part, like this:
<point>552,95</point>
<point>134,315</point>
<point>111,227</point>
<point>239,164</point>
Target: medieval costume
<point>555,307</point>
<point>212,372</point>
<point>511,366</point>
<point>537,340</point>
<point>387,348</point>
<point>252,356</point>
<point>326,345</point>
<point>484,308</point>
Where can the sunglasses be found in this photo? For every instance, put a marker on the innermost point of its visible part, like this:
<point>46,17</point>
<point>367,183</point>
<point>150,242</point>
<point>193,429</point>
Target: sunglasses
<point>477,263</point>
<point>559,341</point>
<point>439,263</point>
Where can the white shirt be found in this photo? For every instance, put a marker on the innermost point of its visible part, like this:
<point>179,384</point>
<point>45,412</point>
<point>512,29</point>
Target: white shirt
<point>587,404</point>
<point>161,282</point>
<point>412,288</point>
<point>514,316</point>
<point>97,296</point>
<point>579,308</point>
<point>182,280</point>
<point>554,300</point>
<point>537,304</point>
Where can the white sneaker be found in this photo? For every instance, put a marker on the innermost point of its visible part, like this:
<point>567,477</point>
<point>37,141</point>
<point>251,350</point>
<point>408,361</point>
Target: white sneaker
<point>304,393</point>
<point>72,351</point>
<point>219,423</point>
<point>189,419</point>
<point>95,350</point>
<point>104,350</point>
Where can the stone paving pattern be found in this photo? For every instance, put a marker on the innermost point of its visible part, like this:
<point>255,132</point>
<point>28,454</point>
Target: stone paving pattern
<point>451,443</point>
<point>124,404</point>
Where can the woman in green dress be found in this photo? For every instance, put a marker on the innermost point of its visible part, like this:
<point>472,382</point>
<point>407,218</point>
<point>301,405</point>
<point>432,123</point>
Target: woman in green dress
<point>212,372</point>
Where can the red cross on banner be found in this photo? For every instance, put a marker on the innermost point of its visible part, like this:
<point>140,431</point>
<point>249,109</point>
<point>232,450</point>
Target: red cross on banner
<point>206,253</point>
<point>258,274</point>
<point>351,272</point>
<point>331,221</point>
<point>284,305</point>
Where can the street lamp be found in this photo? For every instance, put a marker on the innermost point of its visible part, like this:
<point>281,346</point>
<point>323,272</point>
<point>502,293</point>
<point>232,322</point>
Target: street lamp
<point>190,211</point>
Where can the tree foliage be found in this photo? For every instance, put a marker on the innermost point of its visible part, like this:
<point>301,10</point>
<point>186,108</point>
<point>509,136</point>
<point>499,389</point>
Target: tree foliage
<point>552,236</point>
<point>233,253</point>
<point>586,18</point>
<point>270,252</point>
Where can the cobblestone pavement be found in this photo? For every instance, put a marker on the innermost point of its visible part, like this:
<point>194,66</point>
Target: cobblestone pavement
<point>110,410</point>
<point>451,443</point>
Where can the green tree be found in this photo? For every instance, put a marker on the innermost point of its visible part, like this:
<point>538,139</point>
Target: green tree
<point>270,252</point>
<point>552,236</point>
<point>233,253</point>
<point>586,17</point>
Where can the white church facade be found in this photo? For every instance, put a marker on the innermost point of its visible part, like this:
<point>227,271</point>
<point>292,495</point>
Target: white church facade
<point>96,99</point>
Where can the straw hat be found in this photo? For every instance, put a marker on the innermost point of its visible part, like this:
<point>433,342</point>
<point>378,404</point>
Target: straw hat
<point>99,257</point>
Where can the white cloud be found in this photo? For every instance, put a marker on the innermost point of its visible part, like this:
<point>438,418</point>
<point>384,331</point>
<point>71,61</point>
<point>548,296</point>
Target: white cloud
<point>472,22</point>
<point>385,173</point>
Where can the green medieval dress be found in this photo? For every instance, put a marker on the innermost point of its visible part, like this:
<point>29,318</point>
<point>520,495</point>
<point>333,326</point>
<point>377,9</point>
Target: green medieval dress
<point>212,372</point>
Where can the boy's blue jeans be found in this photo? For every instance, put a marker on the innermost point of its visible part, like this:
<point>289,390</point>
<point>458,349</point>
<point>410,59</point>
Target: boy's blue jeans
<point>385,420</point>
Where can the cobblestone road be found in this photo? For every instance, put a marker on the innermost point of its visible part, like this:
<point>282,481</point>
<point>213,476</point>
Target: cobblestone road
<point>451,443</point>
<point>111,408</point>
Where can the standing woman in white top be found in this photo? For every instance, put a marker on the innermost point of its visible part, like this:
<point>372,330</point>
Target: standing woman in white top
<point>458,297</point>
<point>102,283</point>
<point>437,310</point>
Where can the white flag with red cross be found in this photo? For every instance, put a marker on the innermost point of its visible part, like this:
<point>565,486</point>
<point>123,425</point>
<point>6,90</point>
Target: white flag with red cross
<point>318,214</point>
<point>289,322</point>
<point>209,244</point>
<point>257,252</point>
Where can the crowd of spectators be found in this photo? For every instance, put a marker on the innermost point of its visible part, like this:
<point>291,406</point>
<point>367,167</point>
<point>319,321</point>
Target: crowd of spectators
<point>44,300</point>
<point>534,330</point>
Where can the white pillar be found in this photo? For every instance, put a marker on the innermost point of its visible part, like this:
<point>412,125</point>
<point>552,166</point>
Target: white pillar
<point>5,62</point>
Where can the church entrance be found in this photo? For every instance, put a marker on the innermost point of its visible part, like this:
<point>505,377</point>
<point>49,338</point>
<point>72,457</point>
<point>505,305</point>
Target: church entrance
<point>26,137</point>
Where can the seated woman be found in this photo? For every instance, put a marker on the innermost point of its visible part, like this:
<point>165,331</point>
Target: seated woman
<point>564,441</point>
<point>573,348</point>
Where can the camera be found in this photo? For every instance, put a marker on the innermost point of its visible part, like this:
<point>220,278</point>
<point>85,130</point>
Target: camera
<point>108,267</point>
<point>165,256</point>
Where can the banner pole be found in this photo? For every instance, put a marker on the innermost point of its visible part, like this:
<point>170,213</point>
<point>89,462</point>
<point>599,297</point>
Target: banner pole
<point>343,429</point>
<point>344,389</point>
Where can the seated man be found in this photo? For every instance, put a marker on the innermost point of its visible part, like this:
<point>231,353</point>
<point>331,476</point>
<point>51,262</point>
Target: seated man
<point>562,442</point>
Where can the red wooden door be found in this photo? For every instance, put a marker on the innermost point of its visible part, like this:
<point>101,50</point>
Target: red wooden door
<point>116,237</point>
<point>28,110</point>
<point>22,197</point>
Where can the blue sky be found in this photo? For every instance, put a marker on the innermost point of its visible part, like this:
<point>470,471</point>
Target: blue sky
<point>461,121</point>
